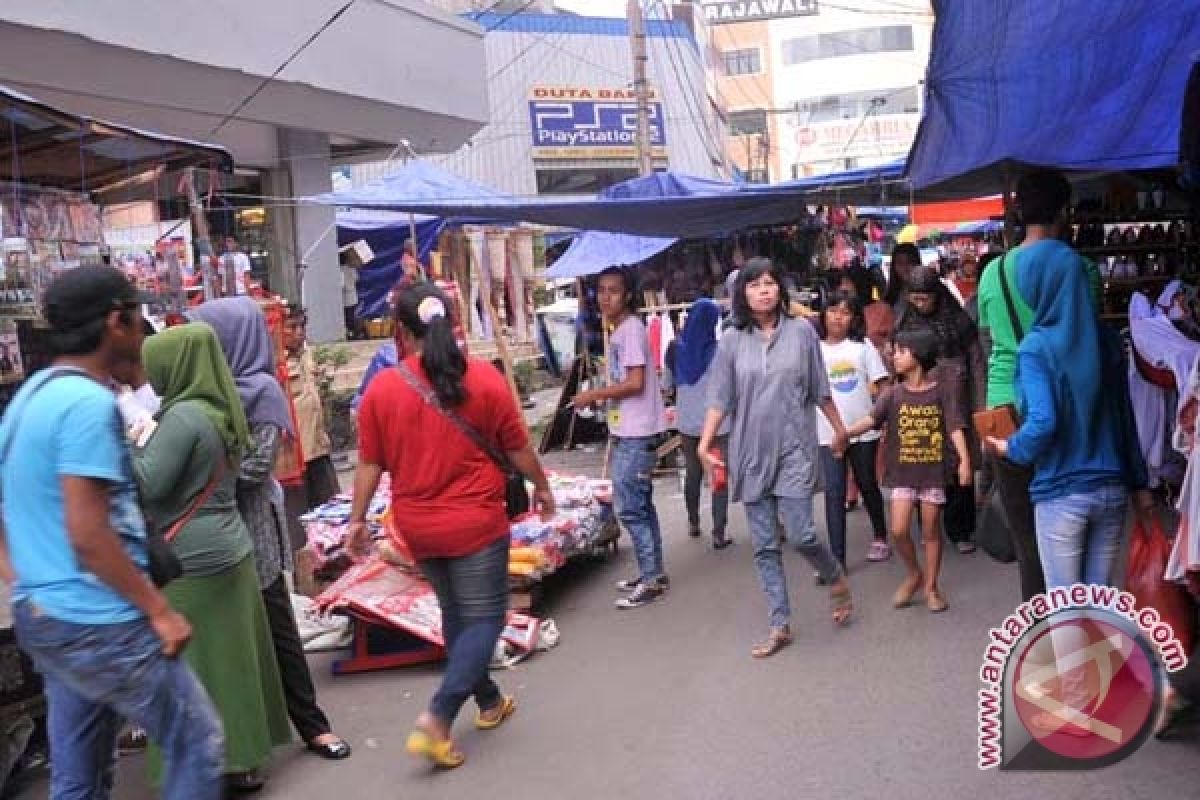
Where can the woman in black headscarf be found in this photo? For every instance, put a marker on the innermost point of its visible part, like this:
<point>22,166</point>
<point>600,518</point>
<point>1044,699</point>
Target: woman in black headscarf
<point>931,306</point>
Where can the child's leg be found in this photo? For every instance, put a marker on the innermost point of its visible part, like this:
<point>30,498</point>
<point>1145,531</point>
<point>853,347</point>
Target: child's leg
<point>931,537</point>
<point>902,512</point>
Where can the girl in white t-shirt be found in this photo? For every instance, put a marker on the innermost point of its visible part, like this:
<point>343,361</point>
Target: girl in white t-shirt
<point>856,373</point>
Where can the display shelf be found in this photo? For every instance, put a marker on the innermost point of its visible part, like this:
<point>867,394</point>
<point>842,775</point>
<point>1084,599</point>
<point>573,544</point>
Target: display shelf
<point>1133,283</point>
<point>1110,217</point>
<point>1118,249</point>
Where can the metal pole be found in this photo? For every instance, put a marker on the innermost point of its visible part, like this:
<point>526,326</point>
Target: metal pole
<point>637,42</point>
<point>200,235</point>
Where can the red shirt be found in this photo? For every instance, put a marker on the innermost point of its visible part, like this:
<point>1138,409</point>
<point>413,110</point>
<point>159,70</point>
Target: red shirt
<point>447,495</point>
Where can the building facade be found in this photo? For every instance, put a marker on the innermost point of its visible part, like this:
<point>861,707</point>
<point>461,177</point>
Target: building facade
<point>290,95</point>
<point>562,109</point>
<point>811,87</point>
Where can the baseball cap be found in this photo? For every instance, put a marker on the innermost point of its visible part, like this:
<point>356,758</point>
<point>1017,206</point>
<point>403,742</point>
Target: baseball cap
<point>85,294</point>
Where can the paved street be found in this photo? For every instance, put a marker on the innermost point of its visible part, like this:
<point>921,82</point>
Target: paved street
<point>666,702</point>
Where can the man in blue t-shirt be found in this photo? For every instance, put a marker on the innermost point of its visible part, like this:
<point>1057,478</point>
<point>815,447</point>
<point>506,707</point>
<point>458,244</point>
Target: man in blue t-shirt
<point>73,546</point>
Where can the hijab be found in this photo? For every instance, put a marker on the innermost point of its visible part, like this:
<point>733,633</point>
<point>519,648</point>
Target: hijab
<point>697,345</point>
<point>1066,334</point>
<point>948,321</point>
<point>184,364</point>
<point>242,331</point>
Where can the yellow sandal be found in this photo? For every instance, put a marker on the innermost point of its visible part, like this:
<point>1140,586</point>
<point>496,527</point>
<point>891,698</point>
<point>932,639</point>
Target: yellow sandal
<point>440,751</point>
<point>507,706</point>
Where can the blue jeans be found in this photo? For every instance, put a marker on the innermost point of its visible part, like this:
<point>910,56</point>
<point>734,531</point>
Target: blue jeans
<point>633,490</point>
<point>796,514</point>
<point>859,457</point>
<point>97,674</point>
<point>1079,536</point>
<point>472,592</point>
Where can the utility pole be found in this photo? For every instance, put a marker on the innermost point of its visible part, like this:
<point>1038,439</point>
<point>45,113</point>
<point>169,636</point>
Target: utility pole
<point>641,88</point>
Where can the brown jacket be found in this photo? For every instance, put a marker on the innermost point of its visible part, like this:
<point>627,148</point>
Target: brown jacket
<point>306,397</point>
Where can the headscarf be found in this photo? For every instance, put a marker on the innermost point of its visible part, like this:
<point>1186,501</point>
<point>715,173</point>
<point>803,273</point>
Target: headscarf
<point>1066,334</point>
<point>697,344</point>
<point>185,364</point>
<point>246,342</point>
<point>948,321</point>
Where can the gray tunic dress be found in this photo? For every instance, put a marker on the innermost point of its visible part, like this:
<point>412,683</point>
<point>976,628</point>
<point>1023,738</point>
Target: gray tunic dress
<point>770,389</point>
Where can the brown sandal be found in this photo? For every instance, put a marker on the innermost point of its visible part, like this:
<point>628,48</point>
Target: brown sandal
<point>935,602</point>
<point>841,605</point>
<point>778,639</point>
<point>903,597</point>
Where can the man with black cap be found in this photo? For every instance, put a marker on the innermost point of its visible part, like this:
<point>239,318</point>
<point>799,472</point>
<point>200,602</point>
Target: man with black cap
<point>73,546</point>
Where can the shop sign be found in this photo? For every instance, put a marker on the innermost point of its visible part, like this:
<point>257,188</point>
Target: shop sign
<point>720,12</point>
<point>590,122</point>
<point>890,134</point>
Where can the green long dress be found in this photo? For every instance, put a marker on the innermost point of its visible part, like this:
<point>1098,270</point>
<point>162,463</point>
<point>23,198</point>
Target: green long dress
<point>231,650</point>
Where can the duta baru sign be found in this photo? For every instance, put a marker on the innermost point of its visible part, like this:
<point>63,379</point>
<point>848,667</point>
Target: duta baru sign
<point>718,12</point>
<point>590,122</point>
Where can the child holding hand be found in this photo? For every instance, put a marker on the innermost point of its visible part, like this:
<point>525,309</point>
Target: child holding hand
<point>925,446</point>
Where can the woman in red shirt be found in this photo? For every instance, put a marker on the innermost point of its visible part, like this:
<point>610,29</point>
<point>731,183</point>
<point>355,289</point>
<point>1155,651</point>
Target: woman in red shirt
<point>448,500</point>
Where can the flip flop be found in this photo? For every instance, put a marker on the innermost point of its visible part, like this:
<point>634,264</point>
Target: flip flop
<point>439,751</point>
<point>778,639</point>
<point>935,602</point>
<point>841,605</point>
<point>508,705</point>
<point>903,598</point>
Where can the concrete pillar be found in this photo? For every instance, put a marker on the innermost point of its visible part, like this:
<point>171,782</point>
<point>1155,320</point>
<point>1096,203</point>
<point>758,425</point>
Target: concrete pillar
<point>304,157</point>
<point>282,275</point>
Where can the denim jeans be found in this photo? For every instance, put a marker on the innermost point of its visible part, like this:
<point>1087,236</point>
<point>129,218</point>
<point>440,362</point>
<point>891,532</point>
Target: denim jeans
<point>694,477</point>
<point>1079,536</point>
<point>633,490</point>
<point>796,514</point>
<point>472,592</point>
<point>95,675</point>
<point>861,458</point>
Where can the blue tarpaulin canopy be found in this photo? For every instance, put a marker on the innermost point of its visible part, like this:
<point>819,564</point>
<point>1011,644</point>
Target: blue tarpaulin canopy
<point>664,204</point>
<point>386,232</point>
<point>881,185</point>
<point>1073,84</point>
<point>595,251</point>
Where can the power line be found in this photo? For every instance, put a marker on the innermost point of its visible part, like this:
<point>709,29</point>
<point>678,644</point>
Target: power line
<point>295,54</point>
<point>713,149</point>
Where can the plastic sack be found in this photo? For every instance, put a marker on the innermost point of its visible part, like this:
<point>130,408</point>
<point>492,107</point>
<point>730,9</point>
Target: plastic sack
<point>1149,552</point>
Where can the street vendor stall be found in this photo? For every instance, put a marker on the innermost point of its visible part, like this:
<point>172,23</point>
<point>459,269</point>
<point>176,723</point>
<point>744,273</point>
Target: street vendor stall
<point>396,618</point>
<point>60,171</point>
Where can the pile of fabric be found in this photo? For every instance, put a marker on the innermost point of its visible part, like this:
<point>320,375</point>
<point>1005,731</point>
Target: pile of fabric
<point>584,523</point>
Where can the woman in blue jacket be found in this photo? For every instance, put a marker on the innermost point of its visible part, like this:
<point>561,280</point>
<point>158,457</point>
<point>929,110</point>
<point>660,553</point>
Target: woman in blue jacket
<point>1076,429</point>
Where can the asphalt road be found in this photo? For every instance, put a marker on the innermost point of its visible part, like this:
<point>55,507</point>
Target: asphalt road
<point>666,702</point>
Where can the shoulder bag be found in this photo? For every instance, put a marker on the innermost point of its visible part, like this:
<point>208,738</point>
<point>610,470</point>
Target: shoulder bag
<point>516,498</point>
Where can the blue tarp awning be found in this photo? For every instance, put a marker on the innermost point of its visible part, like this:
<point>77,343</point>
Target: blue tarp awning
<point>664,204</point>
<point>386,233</point>
<point>595,251</point>
<point>1073,84</point>
<point>881,185</point>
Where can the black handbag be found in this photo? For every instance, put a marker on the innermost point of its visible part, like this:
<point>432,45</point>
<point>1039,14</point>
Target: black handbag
<point>516,497</point>
<point>993,534</point>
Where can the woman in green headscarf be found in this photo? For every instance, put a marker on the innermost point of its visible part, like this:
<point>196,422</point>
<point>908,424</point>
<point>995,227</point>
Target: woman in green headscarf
<point>191,460</point>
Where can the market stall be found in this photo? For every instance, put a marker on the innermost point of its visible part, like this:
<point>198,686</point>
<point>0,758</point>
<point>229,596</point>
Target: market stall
<point>395,612</point>
<point>60,172</point>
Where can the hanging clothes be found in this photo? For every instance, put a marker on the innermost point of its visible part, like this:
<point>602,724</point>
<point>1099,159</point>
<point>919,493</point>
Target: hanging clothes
<point>1185,554</point>
<point>654,334</point>
<point>666,338</point>
<point>1159,342</point>
<point>1150,417</point>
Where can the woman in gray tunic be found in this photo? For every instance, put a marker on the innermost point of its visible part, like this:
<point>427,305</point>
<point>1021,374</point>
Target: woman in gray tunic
<point>769,379</point>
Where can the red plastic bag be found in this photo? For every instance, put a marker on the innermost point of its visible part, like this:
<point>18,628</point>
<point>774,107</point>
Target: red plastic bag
<point>1148,555</point>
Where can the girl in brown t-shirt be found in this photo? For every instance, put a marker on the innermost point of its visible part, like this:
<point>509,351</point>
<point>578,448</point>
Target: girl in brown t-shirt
<point>925,446</point>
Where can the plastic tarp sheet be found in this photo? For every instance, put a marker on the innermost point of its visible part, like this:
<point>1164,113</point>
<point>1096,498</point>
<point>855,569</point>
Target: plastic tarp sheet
<point>596,251</point>
<point>661,205</point>
<point>1073,84</point>
<point>386,233</point>
<point>881,185</point>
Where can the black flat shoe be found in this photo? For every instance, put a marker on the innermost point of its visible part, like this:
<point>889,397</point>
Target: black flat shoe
<point>721,542</point>
<point>334,751</point>
<point>244,782</point>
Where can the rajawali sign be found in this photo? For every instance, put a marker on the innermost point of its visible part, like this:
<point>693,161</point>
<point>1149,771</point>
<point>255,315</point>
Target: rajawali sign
<point>725,11</point>
<point>590,122</point>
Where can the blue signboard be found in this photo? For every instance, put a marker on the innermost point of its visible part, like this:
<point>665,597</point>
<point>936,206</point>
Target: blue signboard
<point>590,123</point>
